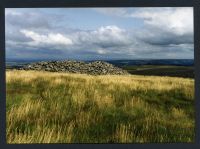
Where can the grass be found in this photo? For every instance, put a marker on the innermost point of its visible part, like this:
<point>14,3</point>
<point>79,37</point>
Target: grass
<point>44,107</point>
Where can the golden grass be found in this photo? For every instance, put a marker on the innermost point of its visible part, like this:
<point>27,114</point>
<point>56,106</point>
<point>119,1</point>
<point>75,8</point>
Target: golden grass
<point>44,107</point>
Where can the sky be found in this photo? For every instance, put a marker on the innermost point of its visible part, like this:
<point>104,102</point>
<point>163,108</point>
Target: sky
<point>99,33</point>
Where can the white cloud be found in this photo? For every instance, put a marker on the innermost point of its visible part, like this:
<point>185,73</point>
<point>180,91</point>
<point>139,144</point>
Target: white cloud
<point>176,20</point>
<point>100,51</point>
<point>47,39</point>
<point>107,36</point>
<point>102,41</point>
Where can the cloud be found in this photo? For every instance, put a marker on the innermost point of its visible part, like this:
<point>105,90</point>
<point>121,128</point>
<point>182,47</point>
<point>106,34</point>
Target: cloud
<point>169,26</point>
<point>176,20</point>
<point>162,26</point>
<point>33,19</point>
<point>103,37</point>
<point>50,38</point>
<point>108,36</point>
<point>101,51</point>
<point>162,37</point>
<point>102,41</point>
<point>163,33</point>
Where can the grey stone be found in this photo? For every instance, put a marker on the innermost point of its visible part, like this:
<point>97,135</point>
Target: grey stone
<point>92,68</point>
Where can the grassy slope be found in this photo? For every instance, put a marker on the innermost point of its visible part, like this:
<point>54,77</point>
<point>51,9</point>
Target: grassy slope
<point>45,107</point>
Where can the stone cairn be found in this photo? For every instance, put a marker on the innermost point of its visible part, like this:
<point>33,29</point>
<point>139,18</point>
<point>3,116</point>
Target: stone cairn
<point>92,68</point>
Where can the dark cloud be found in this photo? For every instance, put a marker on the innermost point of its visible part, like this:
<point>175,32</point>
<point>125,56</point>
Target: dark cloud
<point>168,39</point>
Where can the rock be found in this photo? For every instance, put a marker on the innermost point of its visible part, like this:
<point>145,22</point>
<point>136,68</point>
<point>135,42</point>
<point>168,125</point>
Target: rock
<point>92,68</point>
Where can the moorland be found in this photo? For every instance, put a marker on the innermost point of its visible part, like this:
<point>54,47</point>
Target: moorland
<point>52,107</point>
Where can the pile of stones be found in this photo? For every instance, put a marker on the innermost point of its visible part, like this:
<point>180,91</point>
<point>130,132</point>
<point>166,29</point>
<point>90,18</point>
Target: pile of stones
<point>92,68</point>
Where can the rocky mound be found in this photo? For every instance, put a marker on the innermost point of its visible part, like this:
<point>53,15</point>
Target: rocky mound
<point>93,68</point>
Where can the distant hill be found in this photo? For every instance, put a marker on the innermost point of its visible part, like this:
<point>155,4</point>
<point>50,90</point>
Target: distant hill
<point>174,62</point>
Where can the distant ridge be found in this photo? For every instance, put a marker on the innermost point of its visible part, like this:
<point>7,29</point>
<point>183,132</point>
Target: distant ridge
<point>175,62</point>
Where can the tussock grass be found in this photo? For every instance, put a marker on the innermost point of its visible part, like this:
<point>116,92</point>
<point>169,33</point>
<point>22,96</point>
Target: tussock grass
<point>44,107</point>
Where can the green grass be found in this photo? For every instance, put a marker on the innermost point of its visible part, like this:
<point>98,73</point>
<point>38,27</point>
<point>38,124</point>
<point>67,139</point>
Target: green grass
<point>45,107</point>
